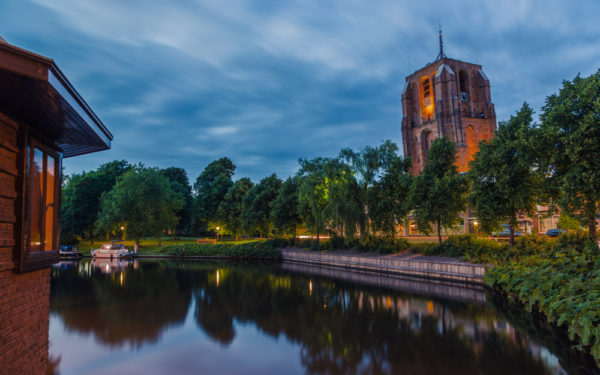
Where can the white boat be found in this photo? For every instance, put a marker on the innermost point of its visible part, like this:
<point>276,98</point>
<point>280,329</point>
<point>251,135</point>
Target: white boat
<point>115,249</point>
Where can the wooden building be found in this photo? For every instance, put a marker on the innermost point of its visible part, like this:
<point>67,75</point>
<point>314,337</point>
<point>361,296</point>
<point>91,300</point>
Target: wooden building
<point>42,120</point>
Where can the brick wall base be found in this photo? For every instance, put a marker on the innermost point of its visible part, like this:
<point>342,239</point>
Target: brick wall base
<point>24,322</point>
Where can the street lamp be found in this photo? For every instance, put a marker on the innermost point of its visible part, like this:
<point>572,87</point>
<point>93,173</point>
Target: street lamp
<point>217,228</point>
<point>123,231</point>
<point>475,224</point>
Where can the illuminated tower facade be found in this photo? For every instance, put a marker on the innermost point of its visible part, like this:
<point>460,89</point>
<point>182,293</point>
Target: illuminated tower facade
<point>450,98</point>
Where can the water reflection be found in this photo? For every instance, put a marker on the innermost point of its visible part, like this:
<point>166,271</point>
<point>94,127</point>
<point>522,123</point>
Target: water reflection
<point>262,318</point>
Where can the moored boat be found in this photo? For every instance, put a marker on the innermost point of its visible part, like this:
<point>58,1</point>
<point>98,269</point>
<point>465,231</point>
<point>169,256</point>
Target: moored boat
<point>115,249</point>
<point>69,251</point>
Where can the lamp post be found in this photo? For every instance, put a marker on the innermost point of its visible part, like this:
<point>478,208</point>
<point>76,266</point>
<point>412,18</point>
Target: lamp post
<point>476,225</point>
<point>217,228</point>
<point>123,231</point>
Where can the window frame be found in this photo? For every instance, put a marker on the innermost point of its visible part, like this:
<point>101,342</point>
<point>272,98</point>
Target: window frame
<point>31,260</point>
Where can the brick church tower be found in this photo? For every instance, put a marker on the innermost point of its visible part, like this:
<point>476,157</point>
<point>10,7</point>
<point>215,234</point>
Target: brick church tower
<point>450,98</point>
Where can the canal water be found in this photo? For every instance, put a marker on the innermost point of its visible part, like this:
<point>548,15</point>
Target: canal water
<point>166,317</point>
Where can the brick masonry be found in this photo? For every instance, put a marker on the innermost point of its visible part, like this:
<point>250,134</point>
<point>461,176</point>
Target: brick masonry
<point>446,98</point>
<point>24,322</point>
<point>24,297</point>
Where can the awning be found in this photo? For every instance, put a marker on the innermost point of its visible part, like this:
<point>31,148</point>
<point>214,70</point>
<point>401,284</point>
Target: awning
<point>34,91</point>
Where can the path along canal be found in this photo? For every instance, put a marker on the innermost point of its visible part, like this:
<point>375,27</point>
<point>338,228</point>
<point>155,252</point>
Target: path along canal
<point>216,317</point>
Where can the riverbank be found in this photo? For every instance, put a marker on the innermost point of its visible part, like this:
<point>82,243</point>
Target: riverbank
<point>561,281</point>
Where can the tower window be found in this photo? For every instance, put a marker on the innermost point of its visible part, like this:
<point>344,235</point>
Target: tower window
<point>463,83</point>
<point>427,102</point>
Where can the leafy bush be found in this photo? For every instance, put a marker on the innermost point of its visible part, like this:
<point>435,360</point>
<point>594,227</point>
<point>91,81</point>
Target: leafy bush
<point>383,245</point>
<point>560,279</point>
<point>279,242</point>
<point>249,250</point>
<point>425,248</point>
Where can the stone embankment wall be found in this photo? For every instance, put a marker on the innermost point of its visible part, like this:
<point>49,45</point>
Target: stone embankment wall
<point>435,268</point>
<point>472,293</point>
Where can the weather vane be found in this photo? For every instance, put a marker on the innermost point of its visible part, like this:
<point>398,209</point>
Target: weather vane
<point>441,55</point>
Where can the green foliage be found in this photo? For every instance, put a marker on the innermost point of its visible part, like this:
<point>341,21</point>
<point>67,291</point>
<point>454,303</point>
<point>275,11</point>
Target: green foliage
<point>249,250</point>
<point>562,282</point>
<point>568,223</point>
<point>230,208</point>
<point>257,205</point>
<point>81,197</point>
<point>142,202</point>
<point>383,245</point>
<point>180,184</point>
<point>504,176</point>
<point>284,213</point>
<point>439,193</point>
<point>366,167</point>
<point>389,198</point>
<point>571,128</point>
<point>319,179</point>
<point>210,189</point>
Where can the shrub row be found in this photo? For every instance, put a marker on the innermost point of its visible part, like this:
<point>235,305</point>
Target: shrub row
<point>249,250</point>
<point>467,247</point>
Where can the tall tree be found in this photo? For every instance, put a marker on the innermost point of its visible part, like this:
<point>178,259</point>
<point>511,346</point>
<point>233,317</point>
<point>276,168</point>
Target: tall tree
<point>321,185</point>
<point>210,189</point>
<point>257,205</point>
<point>368,167</point>
<point>390,196</point>
<point>180,184</point>
<point>284,213</point>
<point>81,197</point>
<point>439,193</point>
<point>504,174</point>
<point>230,209</point>
<point>142,202</point>
<point>571,127</point>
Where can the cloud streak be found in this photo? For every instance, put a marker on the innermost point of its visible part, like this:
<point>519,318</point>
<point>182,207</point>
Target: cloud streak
<point>267,82</point>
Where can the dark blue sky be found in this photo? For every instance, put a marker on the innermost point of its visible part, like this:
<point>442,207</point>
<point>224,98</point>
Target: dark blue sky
<point>181,83</point>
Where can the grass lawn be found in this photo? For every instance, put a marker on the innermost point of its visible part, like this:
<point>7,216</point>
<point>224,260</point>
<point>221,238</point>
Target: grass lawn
<point>150,245</point>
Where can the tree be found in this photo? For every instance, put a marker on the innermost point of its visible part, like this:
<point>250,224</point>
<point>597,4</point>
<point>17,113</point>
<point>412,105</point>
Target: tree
<point>230,209</point>
<point>210,189</point>
<point>81,197</point>
<point>505,176</point>
<point>180,184</point>
<point>390,197</point>
<point>142,202</point>
<point>568,223</point>
<point>439,193</point>
<point>257,205</point>
<point>284,213</point>
<point>367,167</point>
<point>571,128</point>
<point>322,184</point>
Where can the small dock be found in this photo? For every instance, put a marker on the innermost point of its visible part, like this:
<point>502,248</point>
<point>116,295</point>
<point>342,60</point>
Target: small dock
<point>414,265</point>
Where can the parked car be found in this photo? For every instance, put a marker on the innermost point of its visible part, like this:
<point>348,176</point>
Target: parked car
<point>555,232</point>
<point>505,232</point>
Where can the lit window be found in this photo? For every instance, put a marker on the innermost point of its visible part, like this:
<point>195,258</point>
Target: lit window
<point>42,197</point>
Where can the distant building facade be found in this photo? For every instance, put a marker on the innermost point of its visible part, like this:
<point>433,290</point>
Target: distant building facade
<point>450,98</point>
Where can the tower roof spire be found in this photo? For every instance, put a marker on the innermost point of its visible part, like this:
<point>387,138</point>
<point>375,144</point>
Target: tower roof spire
<point>441,55</point>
